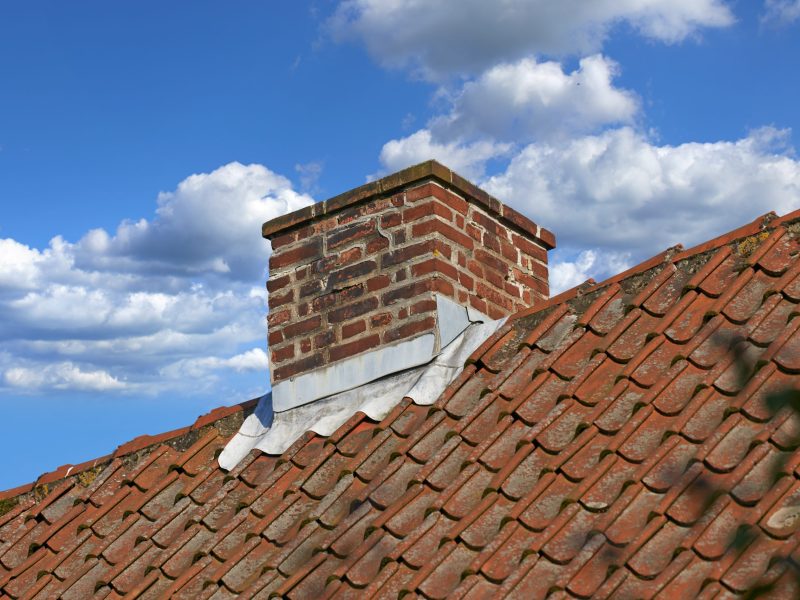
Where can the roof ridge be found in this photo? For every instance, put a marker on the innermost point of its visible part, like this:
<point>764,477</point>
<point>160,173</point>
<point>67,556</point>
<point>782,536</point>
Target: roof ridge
<point>49,480</point>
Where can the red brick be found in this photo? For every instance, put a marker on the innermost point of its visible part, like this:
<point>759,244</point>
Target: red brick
<point>297,255</point>
<point>475,268</point>
<point>353,328</point>
<point>276,300</point>
<point>547,237</point>
<point>460,221</point>
<point>474,232</point>
<point>310,288</point>
<point>348,234</point>
<point>340,278</point>
<point>491,261</point>
<point>324,339</point>
<point>427,209</point>
<point>494,278</point>
<point>378,282</point>
<point>530,248</point>
<point>457,203</point>
<point>303,309</point>
<point>434,265</point>
<point>278,317</point>
<point>424,228</point>
<point>380,320</point>
<point>335,298</point>
<point>491,241</point>
<point>298,366</point>
<point>305,346</point>
<point>508,251</point>
<point>443,287</point>
<point>283,354</point>
<point>391,220</point>
<point>424,191</point>
<point>354,347</point>
<point>408,291</point>
<point>376,245</point>
<point>409,329</point>
<point>282,240</point>
<point>402,255</point>
<point>423,306</point>
<point>478,304</point>
<point>274,337</point>
<point>492,295</point>
<point>301,327</point>
<point>351,311</point>
<point>490,225</point>
<point>465,280</point>
<point>274,284</point>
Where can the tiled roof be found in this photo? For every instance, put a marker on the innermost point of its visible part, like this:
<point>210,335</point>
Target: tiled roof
<point>603,445</point>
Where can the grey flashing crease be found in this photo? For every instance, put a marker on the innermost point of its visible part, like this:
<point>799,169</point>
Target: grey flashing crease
<point>420,372</point>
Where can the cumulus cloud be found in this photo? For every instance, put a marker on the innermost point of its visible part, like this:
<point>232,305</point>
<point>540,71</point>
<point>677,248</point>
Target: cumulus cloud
<point>515,103</point>
<point>781,12</point>
<point>61,376</point>
<point>566,274</point>
<point>469,159</point>
<point>466,36</point>
<point>536,100</point>
<point>620,193</point>
<point>140,309</point>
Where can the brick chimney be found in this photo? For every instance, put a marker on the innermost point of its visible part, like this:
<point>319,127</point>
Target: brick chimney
<point>372,281</point>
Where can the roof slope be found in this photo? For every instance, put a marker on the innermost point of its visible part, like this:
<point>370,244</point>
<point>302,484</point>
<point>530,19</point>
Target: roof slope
<point>573,457</point>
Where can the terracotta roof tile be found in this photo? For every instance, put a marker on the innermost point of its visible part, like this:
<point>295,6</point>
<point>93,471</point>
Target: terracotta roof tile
<point>604,444</point>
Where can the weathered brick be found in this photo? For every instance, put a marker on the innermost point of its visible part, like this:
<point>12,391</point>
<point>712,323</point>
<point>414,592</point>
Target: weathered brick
<point>276,283</point>
<point>423,228</point>
<point>427,305</point>
<point>434,265</point>
<point>326,301</point>
<point>298,366</point>
<point>279,241</point>
<point>380,320</point>
<point>492,295</point>
<point>351,311</point>
<point>391,220</point>
<point>377,244</point>
<point>426,190</point>
<point>355,347</point>
<point>297,255</point>
<point>490,225</point>
<point>407,330</point>
<point>276,300</point>
<point>348,234</point>
<point>324,339</point>
<point>276,318</point>
<point>305,346</point>
<point>310,288</point>
<point>340,278</point>
<point>406,254</point>
<point>274,338</point>
<point>354,328</point>
<point>490,261</point>
<point>301,327</point>
<point>282,354</point>
<point>529,247</point>
<point>427,209</point>
<point>378,282</point>
<point>407,291</point>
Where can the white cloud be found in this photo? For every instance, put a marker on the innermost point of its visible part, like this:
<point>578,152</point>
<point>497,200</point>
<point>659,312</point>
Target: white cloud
<point>619,192</point>
<point>468,159</point>
<point>110,312</point>
<point>781,12</point>
<point>466,36</point>
<point>535,100</point>
<point>566,274</point>
<point>61,376</point>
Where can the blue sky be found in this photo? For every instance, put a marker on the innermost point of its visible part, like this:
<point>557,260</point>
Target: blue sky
<point>142,145</point>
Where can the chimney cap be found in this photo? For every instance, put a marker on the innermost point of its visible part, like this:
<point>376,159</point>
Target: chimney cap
<point>424,171</point>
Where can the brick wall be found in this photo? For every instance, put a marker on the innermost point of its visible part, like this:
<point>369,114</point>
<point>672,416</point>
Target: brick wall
<point>362,271</point>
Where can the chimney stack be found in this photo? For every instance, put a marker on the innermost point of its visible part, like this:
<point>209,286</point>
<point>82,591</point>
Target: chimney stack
<point>377,280</point>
